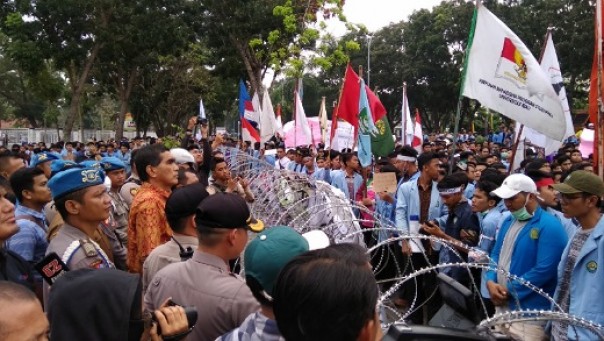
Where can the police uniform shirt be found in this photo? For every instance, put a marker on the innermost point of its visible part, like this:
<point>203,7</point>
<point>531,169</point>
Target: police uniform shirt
<point>77,250</point>
<point>166,254</point>
<point>223,300</point>
<point>129,189</point>
<point>120,212</point>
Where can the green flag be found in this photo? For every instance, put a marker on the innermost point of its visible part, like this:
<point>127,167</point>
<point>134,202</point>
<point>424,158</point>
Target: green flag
<point>382,142</point>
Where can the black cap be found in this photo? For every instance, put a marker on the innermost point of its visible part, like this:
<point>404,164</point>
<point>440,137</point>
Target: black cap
<point>226,210</point>
<point>382,161</point>
<point>183,201</point>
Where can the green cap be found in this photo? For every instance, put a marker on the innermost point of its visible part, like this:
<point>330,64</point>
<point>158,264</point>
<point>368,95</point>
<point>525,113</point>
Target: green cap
<point>272,249</point>
<point>581,182</point>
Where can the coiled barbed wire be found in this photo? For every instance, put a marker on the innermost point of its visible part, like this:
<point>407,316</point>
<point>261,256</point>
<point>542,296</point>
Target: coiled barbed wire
<point>292,199</point>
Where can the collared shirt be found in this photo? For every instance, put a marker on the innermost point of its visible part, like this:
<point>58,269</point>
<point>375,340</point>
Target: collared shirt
<point>68,245</point>
<point>223,299</point>
<point>461,217</point>
<point>282,163</point>
<point>119,212</point>
<point>166,254</point>
<point>256,327</point>
<point>30,242</point>
<point>424,201</point>
<point>130,188</point>
<point>147,225</point>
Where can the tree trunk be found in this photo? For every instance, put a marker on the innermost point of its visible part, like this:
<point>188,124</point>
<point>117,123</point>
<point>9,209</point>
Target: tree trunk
<point>252,66</point>
<point>77,90</point>
<point>124,91</point>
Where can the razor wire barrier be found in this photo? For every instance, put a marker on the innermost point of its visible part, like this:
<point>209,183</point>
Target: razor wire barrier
<point>288,198</point>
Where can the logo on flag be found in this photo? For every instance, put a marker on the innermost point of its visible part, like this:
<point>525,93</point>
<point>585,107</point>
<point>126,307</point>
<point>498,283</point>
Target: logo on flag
<point>512,65</point>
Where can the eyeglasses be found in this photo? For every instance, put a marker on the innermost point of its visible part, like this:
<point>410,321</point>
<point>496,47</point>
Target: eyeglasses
<point>566,198</point>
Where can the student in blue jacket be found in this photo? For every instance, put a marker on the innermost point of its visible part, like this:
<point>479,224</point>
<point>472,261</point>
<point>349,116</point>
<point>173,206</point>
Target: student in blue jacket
<point>580,274</point>
<point>529,245</point>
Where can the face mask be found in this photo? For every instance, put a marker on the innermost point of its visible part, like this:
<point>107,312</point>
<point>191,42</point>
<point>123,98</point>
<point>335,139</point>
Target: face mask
<point>522,214</point>
<point>504,155</point>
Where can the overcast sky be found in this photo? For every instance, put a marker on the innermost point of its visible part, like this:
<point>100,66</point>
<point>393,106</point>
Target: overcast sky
<point>376,14</point>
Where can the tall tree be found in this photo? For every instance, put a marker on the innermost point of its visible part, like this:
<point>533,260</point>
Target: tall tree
<point>148,30</point>
<point>264,34</point>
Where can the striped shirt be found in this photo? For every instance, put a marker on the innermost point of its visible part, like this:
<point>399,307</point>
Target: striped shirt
<point>256,327</point>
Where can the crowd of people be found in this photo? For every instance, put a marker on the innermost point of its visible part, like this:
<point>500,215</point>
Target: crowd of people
<point>134,241</point>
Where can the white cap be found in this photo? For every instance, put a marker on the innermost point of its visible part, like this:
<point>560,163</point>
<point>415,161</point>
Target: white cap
<point>515,184</point>
<point>182,155</point>
<point>316,239</point>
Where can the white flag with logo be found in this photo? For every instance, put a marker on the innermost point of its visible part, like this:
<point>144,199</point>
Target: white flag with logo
<point>551,66</point>
<point>504,76</point>
<point>323,120</point>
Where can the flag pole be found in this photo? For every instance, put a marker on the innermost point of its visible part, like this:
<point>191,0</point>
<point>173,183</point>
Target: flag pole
<point>600,121</point>
<point>519,135</point>
<point>463,81</point>
<point>295,116</point>
<point>356,139</point>
<point>356,130</point>
<point>404,134</point>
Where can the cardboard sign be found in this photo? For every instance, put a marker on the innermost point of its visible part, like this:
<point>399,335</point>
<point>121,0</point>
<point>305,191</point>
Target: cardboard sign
<point>384,182</point>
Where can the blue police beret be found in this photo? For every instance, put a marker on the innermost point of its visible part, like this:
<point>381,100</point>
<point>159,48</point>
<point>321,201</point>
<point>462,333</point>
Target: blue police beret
<point>91,164</point>
<point>74,179</point>
<point>42,157</point>
<point>111,163</point>
<point>61,165</point>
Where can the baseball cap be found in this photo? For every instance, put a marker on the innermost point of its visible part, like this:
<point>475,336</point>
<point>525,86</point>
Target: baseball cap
<point>273,248</point>
<point>581,182</point>
<point>515,184</point>
<point>184,201</point>
<point>182,155</point>
<point>226,210</point>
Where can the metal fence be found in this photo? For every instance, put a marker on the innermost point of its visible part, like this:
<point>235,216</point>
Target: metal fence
<point>10,136</point>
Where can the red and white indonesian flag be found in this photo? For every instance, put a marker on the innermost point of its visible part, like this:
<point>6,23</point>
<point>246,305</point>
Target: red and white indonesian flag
<point>504,76</point>
<point>418,135</point>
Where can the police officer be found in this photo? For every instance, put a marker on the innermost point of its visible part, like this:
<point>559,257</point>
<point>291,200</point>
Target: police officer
<point>82,201</point>
<point>130,188</point>
<point>43,160</point>
<point>115,169</point>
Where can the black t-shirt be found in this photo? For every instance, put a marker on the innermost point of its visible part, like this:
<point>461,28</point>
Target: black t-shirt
<point>15,269</point>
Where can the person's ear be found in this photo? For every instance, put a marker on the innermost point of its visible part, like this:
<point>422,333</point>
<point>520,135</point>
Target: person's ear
<point>72,207</point>
<point>191,221</point>
<point>27,194</point>
<point>371,331</point>
<point>231,236</point>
